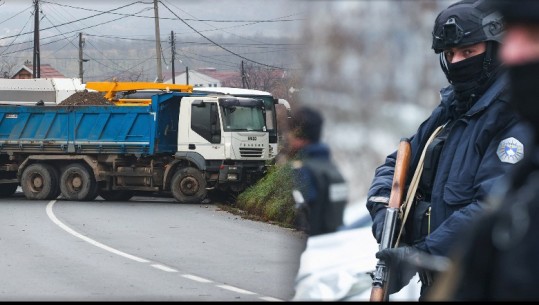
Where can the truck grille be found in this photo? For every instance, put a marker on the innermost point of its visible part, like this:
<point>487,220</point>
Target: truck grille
<point>251,152</point>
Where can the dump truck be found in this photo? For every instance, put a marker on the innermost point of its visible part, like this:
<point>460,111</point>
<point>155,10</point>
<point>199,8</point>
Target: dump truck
<point>181,143</point>
<point>53,91</point>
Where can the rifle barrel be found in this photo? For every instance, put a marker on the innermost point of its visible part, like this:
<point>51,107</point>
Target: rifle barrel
<point>382,272</point>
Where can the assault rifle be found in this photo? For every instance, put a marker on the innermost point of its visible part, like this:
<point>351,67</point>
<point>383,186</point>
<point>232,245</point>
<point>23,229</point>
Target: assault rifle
<point>382,273</point>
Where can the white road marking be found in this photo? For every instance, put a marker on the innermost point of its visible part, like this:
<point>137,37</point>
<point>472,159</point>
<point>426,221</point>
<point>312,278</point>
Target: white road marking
<point>196,278</point>
<point>87,239</point>
<point>55,220</point>
<point>164,268</point>
<point>270,299</point>
<point>235,289</point>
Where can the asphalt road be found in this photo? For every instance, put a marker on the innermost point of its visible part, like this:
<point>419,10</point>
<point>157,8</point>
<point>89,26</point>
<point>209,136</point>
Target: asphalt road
<point>145,249</point>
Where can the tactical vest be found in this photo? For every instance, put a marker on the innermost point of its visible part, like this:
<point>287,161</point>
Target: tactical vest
<point>419,226</point>
<point>326,214</point>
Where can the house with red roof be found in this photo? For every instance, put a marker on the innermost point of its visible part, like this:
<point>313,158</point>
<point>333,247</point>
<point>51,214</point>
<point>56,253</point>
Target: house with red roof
<point>45,71</point>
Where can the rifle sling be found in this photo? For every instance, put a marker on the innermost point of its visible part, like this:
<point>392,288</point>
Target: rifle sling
<point>414,183</point>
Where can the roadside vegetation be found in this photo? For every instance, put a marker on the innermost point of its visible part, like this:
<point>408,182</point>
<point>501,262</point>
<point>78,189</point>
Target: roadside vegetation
<point>270,199</point>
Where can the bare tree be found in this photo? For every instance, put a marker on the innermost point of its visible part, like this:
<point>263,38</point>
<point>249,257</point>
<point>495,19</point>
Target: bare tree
<point>134,75</point>
<point>6,66</point>
<point>280,83</point>
<point>262,78</point>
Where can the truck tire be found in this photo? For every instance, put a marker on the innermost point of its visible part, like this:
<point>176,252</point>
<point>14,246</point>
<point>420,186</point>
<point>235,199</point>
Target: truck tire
<point>39,181</point>
<point>116,195</point>
<point>8,189</point>
<point>188,185</point>
<point>78,183</point>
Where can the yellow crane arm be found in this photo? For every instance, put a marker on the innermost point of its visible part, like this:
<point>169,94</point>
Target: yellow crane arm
<point>112,87</point>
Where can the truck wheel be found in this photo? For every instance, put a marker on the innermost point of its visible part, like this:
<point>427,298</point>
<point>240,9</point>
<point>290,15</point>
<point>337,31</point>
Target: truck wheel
<point>8,189</point>
<point>39,181</point>
<point>116,195</point>
<point>189,185</point>
<point>78,183</point>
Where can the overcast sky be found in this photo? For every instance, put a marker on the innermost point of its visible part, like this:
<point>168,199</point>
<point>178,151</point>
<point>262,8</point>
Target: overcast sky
<point>209,17</point>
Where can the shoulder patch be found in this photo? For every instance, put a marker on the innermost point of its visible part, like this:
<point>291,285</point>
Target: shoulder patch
<point>510,150</point>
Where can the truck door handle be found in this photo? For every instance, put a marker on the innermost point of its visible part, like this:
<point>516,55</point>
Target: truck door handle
<point>192,146</point>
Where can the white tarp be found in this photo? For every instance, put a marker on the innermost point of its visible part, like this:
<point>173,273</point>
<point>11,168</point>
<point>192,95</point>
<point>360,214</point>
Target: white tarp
<point>51,91</point>
<point>335,266</point>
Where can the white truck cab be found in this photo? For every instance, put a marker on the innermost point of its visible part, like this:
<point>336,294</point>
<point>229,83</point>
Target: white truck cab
<point>269,102</point>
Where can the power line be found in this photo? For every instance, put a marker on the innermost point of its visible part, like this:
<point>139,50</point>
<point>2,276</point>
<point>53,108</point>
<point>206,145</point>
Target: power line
<point>31,6</point>
<point>223,29</point>
<point>5,37</point>
<point>69,39</point>
<point>127,70</point>
<point>62,47</point>
<point>56,27</point>
<point>187,19</point>
<point>17,36</point>
<point>216,44</point>
<point>104,56</point>
<point>42,44</point>
<point>236,44</point>
<point>79,30</point>
<point>220,62</point>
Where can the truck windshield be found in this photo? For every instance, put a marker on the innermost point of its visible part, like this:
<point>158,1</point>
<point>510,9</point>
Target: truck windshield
<point>243,118</point>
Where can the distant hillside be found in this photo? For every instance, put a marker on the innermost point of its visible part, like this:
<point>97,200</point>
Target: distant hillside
<point>136,60</point>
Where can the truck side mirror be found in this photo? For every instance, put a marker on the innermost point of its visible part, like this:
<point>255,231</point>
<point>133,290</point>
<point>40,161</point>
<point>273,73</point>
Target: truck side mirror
<point>286,104</point>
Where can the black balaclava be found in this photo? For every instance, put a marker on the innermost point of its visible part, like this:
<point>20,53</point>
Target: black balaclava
<point>471,77</point>
<point>524,81</point>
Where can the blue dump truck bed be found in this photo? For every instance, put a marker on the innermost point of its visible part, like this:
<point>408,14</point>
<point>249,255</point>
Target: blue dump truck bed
<point>139,130</point>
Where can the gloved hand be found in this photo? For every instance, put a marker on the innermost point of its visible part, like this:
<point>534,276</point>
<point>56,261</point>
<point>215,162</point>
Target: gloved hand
<point>396,256</point>
<point>398,260</point>
<point>378,224</point>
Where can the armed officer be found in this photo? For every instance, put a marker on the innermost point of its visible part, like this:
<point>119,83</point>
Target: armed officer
<point>498,260</point>
<point>476,140</point>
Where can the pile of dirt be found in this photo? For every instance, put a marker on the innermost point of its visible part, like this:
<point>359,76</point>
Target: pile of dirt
<point>86,98</point>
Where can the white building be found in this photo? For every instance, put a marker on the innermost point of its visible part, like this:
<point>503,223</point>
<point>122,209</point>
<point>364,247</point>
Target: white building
<point>207,77</point>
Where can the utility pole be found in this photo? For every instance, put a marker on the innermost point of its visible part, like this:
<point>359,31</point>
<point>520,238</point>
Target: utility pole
<point>36,65</point>
<point>81,60</point>
<point>244,81</point>
<point>187,75</point>
<point>173,49</point>
<point>157,43</point>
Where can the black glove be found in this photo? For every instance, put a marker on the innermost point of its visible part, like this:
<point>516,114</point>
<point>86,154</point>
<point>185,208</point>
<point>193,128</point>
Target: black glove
<point>396,256</point>
<point>398,260</point>
<point>378,224</point>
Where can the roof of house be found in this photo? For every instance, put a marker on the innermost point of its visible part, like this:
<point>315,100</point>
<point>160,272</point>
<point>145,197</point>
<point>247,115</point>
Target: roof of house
<point>222,76</point>
<point>45,71</point>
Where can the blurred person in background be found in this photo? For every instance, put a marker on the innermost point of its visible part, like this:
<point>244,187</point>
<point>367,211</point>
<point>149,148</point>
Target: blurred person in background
<point>480,140</point>
<point>498,260</point>
<point>319,189</point>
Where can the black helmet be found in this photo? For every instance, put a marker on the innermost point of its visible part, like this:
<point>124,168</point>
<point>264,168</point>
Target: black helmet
<point>518,11</point>
<point>466,22</point>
